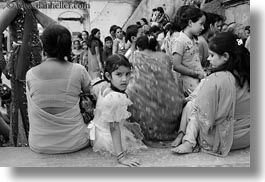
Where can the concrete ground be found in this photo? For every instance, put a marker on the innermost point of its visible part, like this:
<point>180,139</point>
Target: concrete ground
<point>24,157</point>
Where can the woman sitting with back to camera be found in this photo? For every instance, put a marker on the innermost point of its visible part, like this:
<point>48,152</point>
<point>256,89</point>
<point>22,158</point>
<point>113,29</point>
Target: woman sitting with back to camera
<point>53,88</point>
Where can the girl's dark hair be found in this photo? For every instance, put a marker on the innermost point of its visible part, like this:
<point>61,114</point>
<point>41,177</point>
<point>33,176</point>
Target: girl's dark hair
<point>92,37</point>
<point>144,42</point>
<point>160,9</point>
<point>116,28</point>
<point>145,20</point>
<point>56,40</point>
<point>239,57</point>
<point>79,36</point>
<point>108,38</point>
<point>112,28</point>
<point>191,13</point>
<point>154,29</point>
<point>114,61</point>
<point>180,11</point>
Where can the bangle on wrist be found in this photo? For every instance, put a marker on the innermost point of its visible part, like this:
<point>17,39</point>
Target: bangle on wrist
<point>120,156</point>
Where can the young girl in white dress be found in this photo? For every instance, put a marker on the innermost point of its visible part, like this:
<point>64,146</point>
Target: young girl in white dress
<point>109,131</point>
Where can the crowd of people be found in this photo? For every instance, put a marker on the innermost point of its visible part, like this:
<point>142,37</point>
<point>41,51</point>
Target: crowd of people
<point>181,83</point>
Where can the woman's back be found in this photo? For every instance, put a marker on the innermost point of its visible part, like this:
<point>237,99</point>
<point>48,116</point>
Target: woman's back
<point>55,86</point>
<point>56,123</point>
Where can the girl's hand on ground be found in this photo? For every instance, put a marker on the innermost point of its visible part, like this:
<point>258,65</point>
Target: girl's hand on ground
<point>130,162</point>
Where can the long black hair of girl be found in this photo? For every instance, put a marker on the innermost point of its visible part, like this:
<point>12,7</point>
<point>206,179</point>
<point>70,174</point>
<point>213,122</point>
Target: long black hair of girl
<point>92,37</point>
<point>239,57</point>
<point>56,40</point>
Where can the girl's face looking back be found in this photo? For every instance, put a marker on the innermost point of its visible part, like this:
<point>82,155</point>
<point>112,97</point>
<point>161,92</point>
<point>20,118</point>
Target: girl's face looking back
<point>197,27</point>
<point>120,78</point>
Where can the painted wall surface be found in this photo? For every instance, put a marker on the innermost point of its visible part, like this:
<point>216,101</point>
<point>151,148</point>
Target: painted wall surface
<point>240,14</point>
<point>99,14</point>
<point>103,14</point>
<point>144,10</point>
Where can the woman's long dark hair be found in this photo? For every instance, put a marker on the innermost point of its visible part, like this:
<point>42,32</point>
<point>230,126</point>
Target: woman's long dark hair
<point>92,37</point>
<point>239,57</point>
<point>144,42</point>
<point>56,40</point>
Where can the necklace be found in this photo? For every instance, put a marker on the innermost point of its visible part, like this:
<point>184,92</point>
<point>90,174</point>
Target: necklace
<point>115,89</point>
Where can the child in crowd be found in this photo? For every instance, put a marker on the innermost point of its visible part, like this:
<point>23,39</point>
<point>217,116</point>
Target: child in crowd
<point>132,33</point>
<point>76,51</point>
<point>217,115</point>
<point>84,45</point>
<point>107,50</point>
<point>109,128</point>
<point>185,52</point>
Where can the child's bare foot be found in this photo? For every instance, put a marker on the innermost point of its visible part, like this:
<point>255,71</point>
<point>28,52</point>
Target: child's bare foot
<point>178,140</point>
<point>184,148</point>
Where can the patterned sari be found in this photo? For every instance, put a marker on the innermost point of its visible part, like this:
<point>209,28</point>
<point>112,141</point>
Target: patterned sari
<point>157,99</point>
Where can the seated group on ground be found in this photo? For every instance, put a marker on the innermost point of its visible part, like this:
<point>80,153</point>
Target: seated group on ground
<point>182,84</point>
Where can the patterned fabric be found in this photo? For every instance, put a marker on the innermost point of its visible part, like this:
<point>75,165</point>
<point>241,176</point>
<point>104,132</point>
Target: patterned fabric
<point>25,53</point>
<point>157,99</point>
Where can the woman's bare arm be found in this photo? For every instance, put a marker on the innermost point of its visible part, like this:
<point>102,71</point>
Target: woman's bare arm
<point>43,19</point>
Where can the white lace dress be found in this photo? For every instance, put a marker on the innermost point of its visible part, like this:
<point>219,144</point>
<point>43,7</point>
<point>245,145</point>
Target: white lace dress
<point>112,107</point>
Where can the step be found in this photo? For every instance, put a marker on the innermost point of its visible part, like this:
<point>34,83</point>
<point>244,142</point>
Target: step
<point>153,157</point>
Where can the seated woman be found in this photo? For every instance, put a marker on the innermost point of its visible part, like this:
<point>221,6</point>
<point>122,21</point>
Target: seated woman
<point>157,100</point>
<point>53,88</point>
<point>217,115</point>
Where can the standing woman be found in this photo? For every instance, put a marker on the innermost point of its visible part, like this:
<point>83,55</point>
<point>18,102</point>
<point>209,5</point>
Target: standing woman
<point>21,18</point>
<point>119,44</point>
<point>96,46</point>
